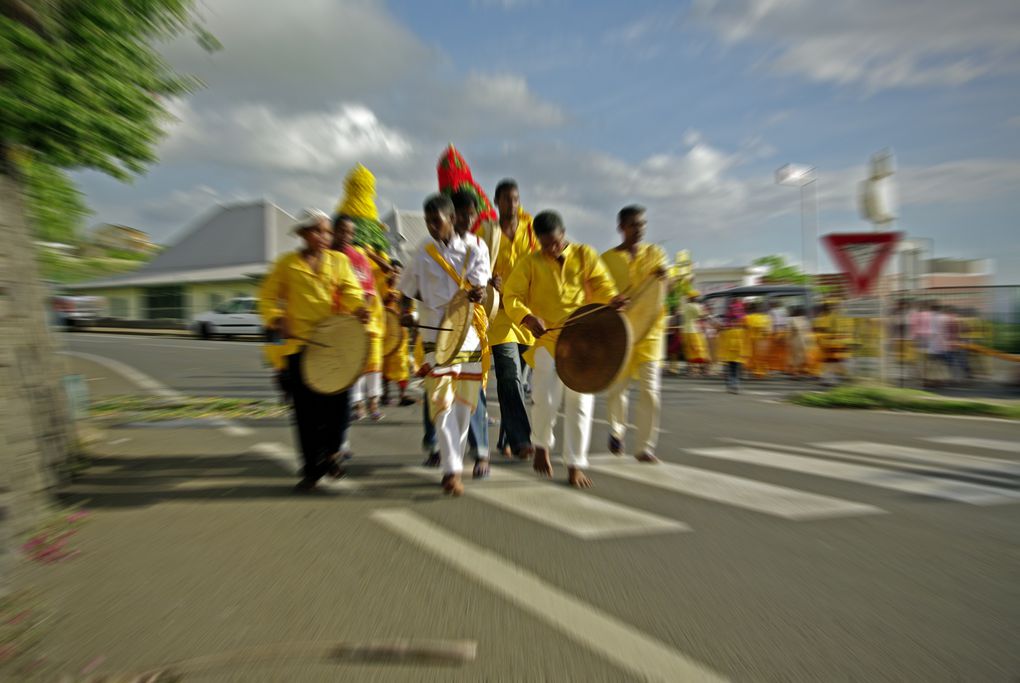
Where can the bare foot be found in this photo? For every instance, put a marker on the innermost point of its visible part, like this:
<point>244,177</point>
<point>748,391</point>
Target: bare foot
<point>481,470</point>
<point>647,457</point>
<point>452,485</point>
<point>526,453</point>
<point>507,453</point>
<point>577,478</point>
<point>542,464</point>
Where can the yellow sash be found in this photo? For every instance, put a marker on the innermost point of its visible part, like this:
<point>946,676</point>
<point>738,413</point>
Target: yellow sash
<point>479,320</point>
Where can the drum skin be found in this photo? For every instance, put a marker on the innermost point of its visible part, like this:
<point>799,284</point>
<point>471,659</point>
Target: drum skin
<point>394,332</point>
<point>592,351</point>
<point>334,367</point>
<point>457,319</point>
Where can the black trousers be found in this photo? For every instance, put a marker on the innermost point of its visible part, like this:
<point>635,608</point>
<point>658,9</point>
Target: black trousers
<point>320,420</point>
<point>514,424</point>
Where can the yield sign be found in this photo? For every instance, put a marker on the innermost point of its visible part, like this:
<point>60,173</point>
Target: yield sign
<point>862,256</point>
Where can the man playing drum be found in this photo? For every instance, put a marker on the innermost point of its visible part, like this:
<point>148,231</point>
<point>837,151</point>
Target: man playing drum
<point>465,213</point>
<point>443,266</point>
<point>304,288</point>
<point>542,291</point>
<point>632,264</point>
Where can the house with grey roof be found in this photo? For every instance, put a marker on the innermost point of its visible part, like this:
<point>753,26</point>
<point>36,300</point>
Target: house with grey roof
<point>225,254</point>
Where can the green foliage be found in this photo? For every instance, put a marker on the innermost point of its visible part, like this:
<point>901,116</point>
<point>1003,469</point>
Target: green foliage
<point>56,209</point>
<point>889,398</point>
<point>64,269</point>
<point>137,408</point>
<point>88,92</point>
<point>780,272</point>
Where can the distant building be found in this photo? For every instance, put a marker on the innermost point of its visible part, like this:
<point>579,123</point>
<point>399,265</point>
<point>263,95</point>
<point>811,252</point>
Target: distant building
<point>708,280</point>
<point>406,230</point>
<point>123,238</point>
<point>226,254</point>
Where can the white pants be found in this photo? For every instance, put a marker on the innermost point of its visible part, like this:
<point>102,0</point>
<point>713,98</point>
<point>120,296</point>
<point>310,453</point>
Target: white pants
<point>452,434</point>
<point>649,405</point>
<point>547,391</point>
<point>368,386</point>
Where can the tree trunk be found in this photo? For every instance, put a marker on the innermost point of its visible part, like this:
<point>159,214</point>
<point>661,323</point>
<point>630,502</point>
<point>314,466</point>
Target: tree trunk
<point>35,429</point>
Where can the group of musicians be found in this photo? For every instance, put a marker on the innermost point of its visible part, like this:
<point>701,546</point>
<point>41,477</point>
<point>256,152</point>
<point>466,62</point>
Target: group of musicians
<point>541,278</point>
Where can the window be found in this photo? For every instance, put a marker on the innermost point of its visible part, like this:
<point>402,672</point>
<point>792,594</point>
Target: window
<point>119,307</point>
<point>215,301</point>
<point>164,302</point>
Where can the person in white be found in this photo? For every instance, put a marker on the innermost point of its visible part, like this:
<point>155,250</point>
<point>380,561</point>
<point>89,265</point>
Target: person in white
<point>438,269</point>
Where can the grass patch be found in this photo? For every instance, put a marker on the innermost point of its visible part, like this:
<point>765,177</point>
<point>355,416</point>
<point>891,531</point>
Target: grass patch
<point>153,409</point>
<point>869,397</point>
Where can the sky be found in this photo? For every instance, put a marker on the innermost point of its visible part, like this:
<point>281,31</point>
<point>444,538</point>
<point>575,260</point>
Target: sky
<point>687,108</point>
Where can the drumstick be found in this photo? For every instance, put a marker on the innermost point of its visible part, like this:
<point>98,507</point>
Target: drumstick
<point>430,327</point>
<point>640,290</point>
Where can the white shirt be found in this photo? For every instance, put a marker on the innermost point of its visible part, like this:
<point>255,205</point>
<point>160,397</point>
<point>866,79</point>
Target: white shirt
<point>426,281</point>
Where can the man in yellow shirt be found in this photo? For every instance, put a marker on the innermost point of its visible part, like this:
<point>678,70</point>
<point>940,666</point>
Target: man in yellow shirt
<point>509,242</point>
<point>304,288</point>
<point>542,291</point>
<point>631,264</point>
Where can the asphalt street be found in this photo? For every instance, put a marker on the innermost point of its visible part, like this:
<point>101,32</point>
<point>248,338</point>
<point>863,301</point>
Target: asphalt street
<point>774,543</point>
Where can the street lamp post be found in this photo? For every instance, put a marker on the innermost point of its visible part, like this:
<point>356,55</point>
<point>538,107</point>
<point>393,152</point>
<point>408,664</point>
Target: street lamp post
<point>804,177</point>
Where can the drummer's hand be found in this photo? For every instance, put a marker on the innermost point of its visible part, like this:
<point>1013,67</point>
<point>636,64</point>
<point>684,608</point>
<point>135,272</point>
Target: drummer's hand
<point>475,294</point>
<point>424,370</point>
<point>534,325</point>
<point>407,320</point>
<point>619,302</point>
<point>497,284</point>
<point>660,272</point>
<point>363,315</point>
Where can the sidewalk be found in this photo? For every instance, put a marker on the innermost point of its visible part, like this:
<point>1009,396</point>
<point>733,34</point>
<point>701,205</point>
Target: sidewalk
<point>196,546</point>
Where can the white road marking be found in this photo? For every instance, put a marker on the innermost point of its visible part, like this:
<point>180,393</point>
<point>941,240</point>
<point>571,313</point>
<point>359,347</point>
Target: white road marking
<point>572,512</point>
<point>896,480</point>
<point>988,444</point>
<point>924,456</point>
<point>136,377</point>
<point>237,430</point>
<point>731,490</point>
<point>117,442</point>
<point>620,643</point>
<point>286,457</point>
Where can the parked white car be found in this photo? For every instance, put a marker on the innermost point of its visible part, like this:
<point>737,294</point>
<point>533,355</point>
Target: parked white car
<point>234,317</point>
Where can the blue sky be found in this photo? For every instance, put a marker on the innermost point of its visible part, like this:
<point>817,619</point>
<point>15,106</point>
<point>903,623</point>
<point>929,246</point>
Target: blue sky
<point>687,108</point>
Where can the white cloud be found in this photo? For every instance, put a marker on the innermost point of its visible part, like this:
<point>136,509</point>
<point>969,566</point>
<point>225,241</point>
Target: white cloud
<point>508,97</point>
<point>874,44</point>
<point>256,137</point>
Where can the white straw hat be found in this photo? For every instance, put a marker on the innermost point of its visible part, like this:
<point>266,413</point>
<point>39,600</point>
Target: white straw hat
<point>307,219</point>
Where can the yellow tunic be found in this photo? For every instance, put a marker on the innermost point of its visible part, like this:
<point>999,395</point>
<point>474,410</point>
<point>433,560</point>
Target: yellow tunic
<point>293,291</point>
<point>629,273</point>
<point>695,346</point>
<point>759,328</point>
<point>394,365</point>
<point>733,346</point>
<point>551,290</point>
<point>376,326</point>
<point>502,329</point>
<point>833,337</point>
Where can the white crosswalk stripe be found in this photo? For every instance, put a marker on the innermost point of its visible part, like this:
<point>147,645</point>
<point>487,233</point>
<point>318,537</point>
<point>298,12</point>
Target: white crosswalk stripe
<point>906,482</point>
<point>732,490</point>
<point>972,442</point>
<point>893,452</point>
<point>572,512</point>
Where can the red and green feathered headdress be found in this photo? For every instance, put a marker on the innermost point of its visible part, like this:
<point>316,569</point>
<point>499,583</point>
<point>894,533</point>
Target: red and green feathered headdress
<point>455,175</point>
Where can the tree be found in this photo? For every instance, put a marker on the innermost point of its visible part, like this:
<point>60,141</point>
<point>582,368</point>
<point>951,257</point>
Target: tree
<point>780,272</point>
<point>81,86</point>
<point>55,207</point>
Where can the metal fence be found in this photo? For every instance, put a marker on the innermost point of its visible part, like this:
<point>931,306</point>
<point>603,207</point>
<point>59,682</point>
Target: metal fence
<point>946,336</point>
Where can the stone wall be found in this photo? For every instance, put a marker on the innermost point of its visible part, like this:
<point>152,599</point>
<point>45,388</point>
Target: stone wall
<point>35,432</point>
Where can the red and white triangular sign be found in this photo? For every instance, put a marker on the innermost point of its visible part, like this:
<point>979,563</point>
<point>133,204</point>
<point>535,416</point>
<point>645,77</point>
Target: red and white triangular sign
<point>862,256</point>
